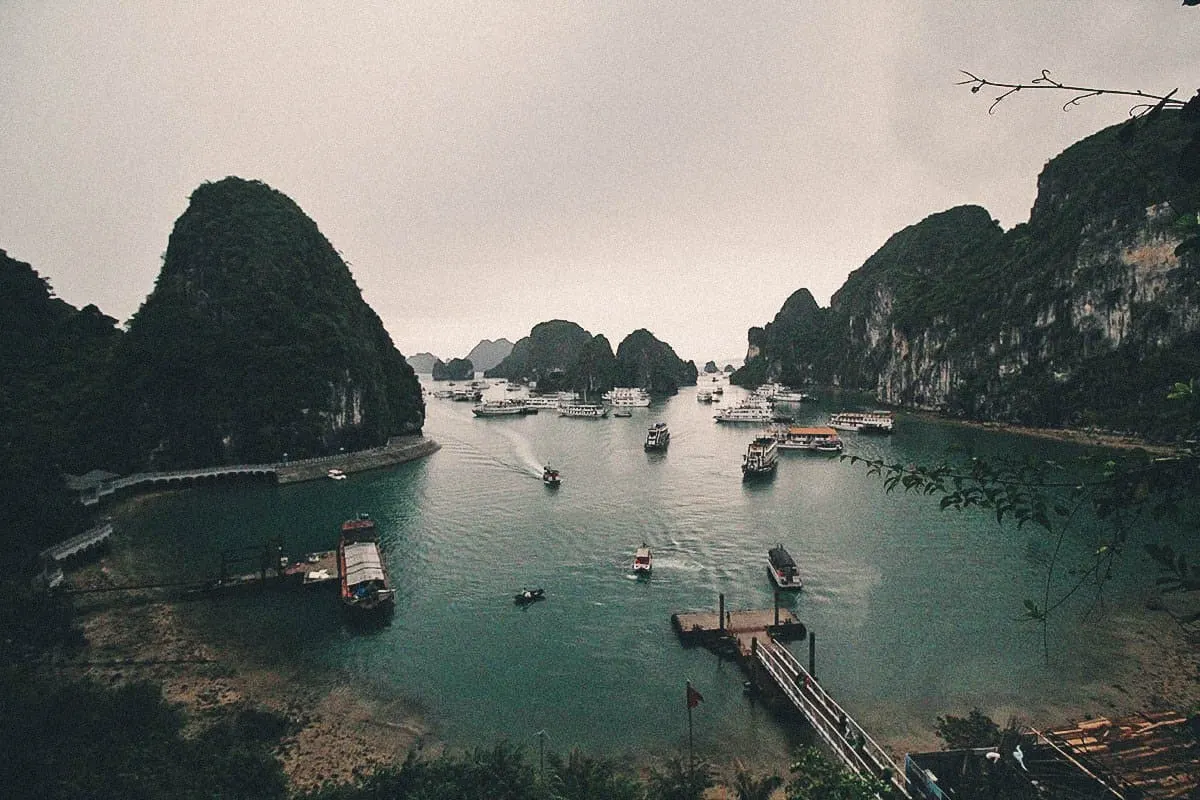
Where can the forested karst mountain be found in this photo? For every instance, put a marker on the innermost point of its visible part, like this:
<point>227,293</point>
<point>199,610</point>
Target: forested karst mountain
<point>643,360</point>
<point>459,369</point>
<point>488,354</point>
<point>256,342</point>
<point>550,348</point>
<point>562,355</point>
<point>54,359</point>
<point>1084,315</point>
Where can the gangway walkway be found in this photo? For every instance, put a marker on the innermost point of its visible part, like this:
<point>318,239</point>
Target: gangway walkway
<point>858,751</point>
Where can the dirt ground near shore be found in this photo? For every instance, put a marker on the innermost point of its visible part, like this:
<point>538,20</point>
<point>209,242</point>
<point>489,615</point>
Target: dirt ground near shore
<point>144,636</point>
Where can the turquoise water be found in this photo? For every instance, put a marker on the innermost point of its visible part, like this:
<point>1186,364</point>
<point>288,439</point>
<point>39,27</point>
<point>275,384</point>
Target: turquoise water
<point>916,612</point>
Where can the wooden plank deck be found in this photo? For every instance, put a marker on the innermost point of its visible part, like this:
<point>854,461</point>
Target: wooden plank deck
<point>740,627</point>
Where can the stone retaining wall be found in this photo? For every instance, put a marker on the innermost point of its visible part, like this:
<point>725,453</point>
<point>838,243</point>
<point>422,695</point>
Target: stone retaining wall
<point>398,450</point>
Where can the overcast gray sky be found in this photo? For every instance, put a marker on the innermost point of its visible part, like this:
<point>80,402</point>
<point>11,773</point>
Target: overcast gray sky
<point>483,167</point>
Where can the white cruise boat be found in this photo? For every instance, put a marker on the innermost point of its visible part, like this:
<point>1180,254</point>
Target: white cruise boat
<point>756,413</point>
<point>658,437</point>
<point>762,457</point>
<point>704,396</point>
<point>500,408</point>
<point>863,421</point>
<point>820,439</point>
<point>542,401</point>
<point>782,569</point>
<point>627,396</point>
<point>585,410</point>
<point>791,396</point>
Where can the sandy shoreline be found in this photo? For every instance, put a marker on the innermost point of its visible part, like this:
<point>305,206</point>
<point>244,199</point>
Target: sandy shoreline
<point>343,734</point>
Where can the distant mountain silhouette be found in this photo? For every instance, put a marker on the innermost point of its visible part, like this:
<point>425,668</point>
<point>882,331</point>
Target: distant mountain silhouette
<point>488,354</point>
<point>422,363</point>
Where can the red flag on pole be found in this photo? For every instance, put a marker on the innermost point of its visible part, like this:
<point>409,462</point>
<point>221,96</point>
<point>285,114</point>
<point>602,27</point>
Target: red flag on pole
<point>693,697</point>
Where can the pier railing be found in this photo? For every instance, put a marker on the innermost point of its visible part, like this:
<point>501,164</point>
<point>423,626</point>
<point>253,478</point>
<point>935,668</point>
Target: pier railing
<point>853,746</point>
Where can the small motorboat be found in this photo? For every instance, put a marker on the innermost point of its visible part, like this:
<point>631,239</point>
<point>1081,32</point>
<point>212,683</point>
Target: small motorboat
<point>622,413</point>
<point>642,564</point>
<point>550,476</point>
<point>336,474</point>
<point>527,596</point>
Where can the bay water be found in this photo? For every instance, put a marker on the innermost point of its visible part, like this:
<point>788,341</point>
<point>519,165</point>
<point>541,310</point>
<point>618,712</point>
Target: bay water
<point>916,612</point>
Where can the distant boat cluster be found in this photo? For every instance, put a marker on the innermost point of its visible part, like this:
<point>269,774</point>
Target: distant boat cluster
<point>767,406</point>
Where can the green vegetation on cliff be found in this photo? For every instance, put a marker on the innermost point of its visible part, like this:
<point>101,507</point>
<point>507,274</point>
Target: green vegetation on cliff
<point>54,359</point>
<point>651,364</point>
<point>256,342</point>
<point>1085,315</point>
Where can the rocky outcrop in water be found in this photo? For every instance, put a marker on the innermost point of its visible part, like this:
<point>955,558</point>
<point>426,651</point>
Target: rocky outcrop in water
<point>562,355</point>
<point>459,369</point>
<point>644,361</point>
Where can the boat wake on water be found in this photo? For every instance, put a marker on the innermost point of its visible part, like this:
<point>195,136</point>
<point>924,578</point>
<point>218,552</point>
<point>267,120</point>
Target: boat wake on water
<point>530,467</point>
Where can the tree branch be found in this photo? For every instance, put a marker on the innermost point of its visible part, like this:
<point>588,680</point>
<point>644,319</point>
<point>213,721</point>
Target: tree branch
<point>1152,101</point>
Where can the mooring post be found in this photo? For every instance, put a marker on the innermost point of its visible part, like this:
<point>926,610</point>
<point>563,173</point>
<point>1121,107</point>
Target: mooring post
<point>721,612</point>
<point>812,654</point>
<point>754,646</point>
<point>776,608</point>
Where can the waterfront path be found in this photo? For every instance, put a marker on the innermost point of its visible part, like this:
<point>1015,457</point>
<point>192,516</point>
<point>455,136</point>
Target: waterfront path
<point>398,450</point>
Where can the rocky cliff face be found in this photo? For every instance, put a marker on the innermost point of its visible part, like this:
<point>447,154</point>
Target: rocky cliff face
<point>256,342</point>
<point>1084,315</point>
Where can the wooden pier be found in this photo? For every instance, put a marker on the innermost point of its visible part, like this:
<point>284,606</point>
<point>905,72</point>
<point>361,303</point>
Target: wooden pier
<point>738,629</point>
<point>754,638</point>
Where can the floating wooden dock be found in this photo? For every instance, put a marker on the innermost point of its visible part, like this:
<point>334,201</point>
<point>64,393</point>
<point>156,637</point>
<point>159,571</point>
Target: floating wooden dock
<point>738,629</point>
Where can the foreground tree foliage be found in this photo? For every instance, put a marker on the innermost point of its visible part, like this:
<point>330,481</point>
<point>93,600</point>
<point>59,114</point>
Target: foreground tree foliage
<point>73,739</point>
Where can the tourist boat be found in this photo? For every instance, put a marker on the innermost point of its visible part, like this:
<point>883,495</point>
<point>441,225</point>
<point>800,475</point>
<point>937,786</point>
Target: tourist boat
<point>444,394</point>
<point>466,395</point>
<point>541,401</point>
<point>500,408</point>
<point>863,421</point>
<point>782,569</point>
<point>550,476</point>
<point>658,437</point>
<point>642,564</point>
<point>704,396</point>
<point>627,396</point>
<point>336,474</point>
<point>756,413</point>
<point>762,456</point>
<point>791,396</point>
<point>584,410</point>
<point>364,580</point>
<point>820,439</point>
<point>527,596</point>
